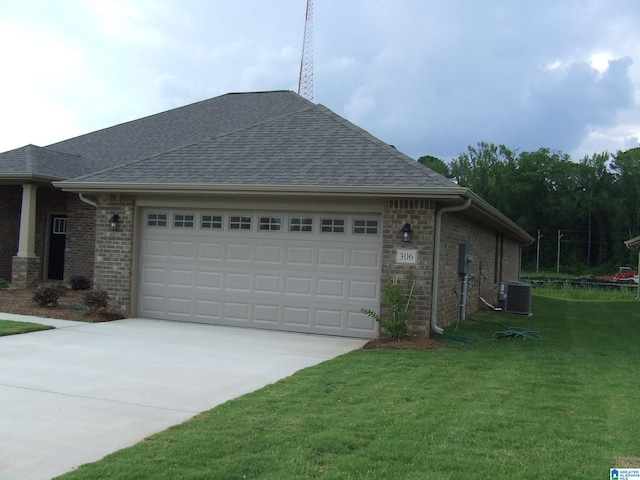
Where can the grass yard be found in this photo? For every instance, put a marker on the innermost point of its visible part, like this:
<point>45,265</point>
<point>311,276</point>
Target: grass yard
<point>9,327</point>
<point>561,407</point>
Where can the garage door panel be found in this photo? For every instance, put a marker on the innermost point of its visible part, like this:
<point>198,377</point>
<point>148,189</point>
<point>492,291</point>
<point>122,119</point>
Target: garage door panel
<point>300,256</point>
<point>363,290</point>
<point>329,319</point>
<point>207,309</point>
<point>295,281</point>
<point>182,249</point>
<point>330,287</point>
<point>296,316</point>
<point>209,251</point>
<point>181,278</point>
<point>238,253</point>
<point>267,284</point>
<point>269,254</point>
<point>365,258</point>
<point>298,286</point>
<point>268,314</point>
<point>154,276</point>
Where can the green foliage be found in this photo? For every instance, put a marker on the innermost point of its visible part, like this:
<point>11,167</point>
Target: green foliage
<point>78,282</point>
<point>46,296</point>
<point>8,327</point>
<point>96,300</point>
<point>436,164</point>
<point>594,202</point>
<point>396,307</point>
<point>60,287</point>
<point>4,284</point>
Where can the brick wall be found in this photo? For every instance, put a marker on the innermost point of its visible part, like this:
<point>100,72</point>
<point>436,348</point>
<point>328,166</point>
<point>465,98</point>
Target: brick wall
<point>496,258</point>
<point>81,237</point>
<point>10,205</point>
<point>114,250</point>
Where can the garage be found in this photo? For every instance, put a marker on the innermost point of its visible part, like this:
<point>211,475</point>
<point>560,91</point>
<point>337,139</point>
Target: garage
<point>300,271</point>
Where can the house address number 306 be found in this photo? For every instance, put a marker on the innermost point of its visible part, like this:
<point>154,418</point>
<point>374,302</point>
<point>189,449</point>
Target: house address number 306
<point>406,256</point>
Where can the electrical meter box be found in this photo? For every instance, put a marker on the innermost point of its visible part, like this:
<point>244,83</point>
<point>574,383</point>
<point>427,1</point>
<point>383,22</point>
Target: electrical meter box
<point>464,259</point>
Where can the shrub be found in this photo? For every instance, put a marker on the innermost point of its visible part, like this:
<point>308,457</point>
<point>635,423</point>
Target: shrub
<point>46,296</point>
<point>60,287</point>
<point>4,284</point>
<point>79,282</point>
<point>396,304</point>
<point>96,300</point>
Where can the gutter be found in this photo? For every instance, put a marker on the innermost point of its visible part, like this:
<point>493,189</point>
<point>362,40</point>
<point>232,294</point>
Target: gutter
<point>87,201</point>
<point>436,262</point>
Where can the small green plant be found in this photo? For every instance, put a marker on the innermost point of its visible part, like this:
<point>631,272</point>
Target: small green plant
<point>46,296</point>
<point>96,300</point>
<point>78,282</point>
<point>60,287</point>
<point>4,284</point>
<point>396,306</point>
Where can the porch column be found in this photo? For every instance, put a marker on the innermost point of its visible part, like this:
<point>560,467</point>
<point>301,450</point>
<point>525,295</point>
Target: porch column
<point>27,241</point>
<point>26,265</point>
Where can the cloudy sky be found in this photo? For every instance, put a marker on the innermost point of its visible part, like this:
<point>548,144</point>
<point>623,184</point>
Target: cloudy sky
<point>430,77</point>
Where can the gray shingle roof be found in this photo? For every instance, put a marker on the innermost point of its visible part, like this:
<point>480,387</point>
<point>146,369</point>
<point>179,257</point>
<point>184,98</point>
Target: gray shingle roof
<point>42,163</point>
<point>265,138</point>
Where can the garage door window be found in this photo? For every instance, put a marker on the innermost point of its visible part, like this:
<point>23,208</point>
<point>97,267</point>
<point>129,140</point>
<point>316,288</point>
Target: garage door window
<point>157,220</point>
<point>332,225</point>
<point>211,221</point>
<point>298,224</point>
<point>183,221</point>
<point>273,224</point>
<point>237,222</point>
<point>369,227</point>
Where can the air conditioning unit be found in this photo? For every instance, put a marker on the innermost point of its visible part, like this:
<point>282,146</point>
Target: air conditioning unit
<point>515,297</point>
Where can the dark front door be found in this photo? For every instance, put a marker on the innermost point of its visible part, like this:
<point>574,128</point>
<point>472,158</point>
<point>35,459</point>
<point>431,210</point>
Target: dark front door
<point>57,240</point>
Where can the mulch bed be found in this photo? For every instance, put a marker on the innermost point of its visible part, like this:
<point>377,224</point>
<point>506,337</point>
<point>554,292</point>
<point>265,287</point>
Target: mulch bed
<point>409,343</point>
<point>19,301</point>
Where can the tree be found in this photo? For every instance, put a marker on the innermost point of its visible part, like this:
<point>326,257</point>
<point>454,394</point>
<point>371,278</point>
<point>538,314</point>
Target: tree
<point>435,164</point>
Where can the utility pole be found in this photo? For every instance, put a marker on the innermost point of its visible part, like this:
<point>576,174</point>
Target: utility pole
<point>538,253</point>
<point>558,263</point>
<point>305,81</point>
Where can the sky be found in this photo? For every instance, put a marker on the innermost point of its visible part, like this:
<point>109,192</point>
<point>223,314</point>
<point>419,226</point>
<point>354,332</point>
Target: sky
<point>429,77</point>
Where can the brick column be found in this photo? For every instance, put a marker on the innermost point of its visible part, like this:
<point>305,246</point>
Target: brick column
<point>114,250</point>
<point>420,214</point>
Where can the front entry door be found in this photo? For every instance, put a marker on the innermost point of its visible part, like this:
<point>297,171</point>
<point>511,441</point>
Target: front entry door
<point>57,240</point>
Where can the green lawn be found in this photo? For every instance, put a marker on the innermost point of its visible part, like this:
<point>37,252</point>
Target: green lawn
<point>561,407</point>
<point>8,327</point>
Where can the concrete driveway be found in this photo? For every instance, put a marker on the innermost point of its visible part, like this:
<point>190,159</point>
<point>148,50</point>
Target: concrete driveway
<point>72,395</point>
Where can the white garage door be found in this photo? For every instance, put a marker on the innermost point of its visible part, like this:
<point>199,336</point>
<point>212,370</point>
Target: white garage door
<point>285,271</point>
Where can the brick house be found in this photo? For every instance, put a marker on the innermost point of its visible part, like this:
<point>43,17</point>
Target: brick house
<point>254,209</point>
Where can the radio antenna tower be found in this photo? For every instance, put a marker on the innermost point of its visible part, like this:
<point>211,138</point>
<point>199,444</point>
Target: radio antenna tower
<point>305,82</point>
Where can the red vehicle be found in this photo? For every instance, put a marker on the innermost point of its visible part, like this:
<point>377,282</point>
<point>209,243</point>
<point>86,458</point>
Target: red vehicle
<point>626,274</point>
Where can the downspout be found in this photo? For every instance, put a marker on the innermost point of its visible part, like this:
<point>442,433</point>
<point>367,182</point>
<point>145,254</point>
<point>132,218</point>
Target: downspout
<point>87,201</point>
<point>436,262</point>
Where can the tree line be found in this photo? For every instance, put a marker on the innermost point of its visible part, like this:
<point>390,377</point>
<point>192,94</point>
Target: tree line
<point>592,205</point>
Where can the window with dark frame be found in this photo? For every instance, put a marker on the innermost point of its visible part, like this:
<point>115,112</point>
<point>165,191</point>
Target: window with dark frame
<point>300,224</point>
<point>272,224</point>
<point>183,221</point>
<point>369,227</point>
<point>211,221</point>
<point>332,225</point>
<point>240,222</point>
<point>157,220</point>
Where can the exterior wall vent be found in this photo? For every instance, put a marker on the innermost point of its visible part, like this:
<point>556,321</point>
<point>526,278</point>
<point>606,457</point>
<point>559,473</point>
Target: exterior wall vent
<point>515,297</point>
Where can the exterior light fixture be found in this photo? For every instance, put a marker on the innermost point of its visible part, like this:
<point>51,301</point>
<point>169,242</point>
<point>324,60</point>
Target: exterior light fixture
<point>406,232</point>
<point>113,222</point>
